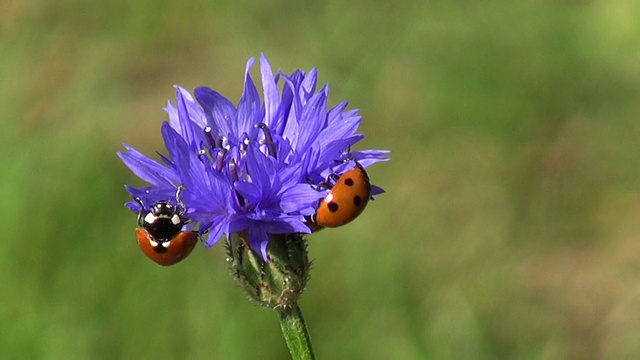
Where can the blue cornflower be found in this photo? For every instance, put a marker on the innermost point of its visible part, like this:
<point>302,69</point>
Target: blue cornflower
<point>253,167</point>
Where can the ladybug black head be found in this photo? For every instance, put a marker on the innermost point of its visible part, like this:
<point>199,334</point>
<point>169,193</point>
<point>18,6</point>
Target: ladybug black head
<point>162,221</point>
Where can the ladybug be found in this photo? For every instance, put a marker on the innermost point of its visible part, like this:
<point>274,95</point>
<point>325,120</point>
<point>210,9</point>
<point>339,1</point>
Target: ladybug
<point>160,234</point>
<point>346,199</point>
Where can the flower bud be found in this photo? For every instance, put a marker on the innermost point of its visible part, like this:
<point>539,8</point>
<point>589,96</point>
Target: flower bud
<point>277,283</point>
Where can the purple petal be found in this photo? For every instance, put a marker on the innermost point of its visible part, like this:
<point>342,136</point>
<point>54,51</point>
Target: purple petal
<point>269,90</point>
<point>336,112</point>
<point>308,85</point>
<point>339,130</point>
<point>362,154</point>
<point>376,190</point>
<point>190,169</point>
<point>368,162</point>
<point>220,112</point>
<point>262,172</point>
<point>187,111</point>
<point>259,240</point>
<point>333,151</point>
<point>249,105</point>
<point>217,228</point>
<point>251,192</point>
<point>286,225</point>
<point>146,169</point>
<point>311,121</point>
<point>290,130</point>
<point>238,223</point>
<point>298,197</point>
<point>173,115</point>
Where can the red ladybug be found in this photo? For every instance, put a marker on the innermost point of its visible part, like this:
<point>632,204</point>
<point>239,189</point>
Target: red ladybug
<point>160,234</point>
<point>346,200</point>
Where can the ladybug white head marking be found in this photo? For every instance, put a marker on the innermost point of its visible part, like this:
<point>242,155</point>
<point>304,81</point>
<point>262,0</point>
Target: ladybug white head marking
<point>150,218</point>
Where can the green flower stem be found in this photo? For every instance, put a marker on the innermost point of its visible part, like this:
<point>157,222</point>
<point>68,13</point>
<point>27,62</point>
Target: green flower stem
<point>295,333</point>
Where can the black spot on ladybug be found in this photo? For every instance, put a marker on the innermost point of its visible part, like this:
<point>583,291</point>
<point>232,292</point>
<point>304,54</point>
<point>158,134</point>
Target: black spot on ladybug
<point>349,182</point>
<point>160,249</point>
<point>357,200</point>
<point>333,207</point>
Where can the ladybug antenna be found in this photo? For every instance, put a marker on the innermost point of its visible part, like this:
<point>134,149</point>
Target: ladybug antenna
<point>139,201</point>
<point>348,154</point>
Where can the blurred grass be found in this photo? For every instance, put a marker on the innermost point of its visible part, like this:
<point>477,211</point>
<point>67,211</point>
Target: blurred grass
<point>509,228</point>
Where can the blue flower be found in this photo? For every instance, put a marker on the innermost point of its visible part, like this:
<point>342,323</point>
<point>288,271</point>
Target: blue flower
<point>251,167</point>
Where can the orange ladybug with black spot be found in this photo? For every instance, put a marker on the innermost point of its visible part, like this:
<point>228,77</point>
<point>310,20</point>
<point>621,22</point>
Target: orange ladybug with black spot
<point>160,234</point>
<point>346,199</point>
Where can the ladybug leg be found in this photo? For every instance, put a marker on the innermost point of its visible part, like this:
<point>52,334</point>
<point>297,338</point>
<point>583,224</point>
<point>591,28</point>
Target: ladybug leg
<point>329,182</point>
<point>181,208</point>
<point>324,185</point>
<point>178,199</point>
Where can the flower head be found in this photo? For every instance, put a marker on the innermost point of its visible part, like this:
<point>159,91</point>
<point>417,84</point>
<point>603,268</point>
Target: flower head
<point>251,168</point>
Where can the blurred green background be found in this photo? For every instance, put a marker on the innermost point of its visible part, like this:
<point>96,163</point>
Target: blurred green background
<point>509,229</point>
